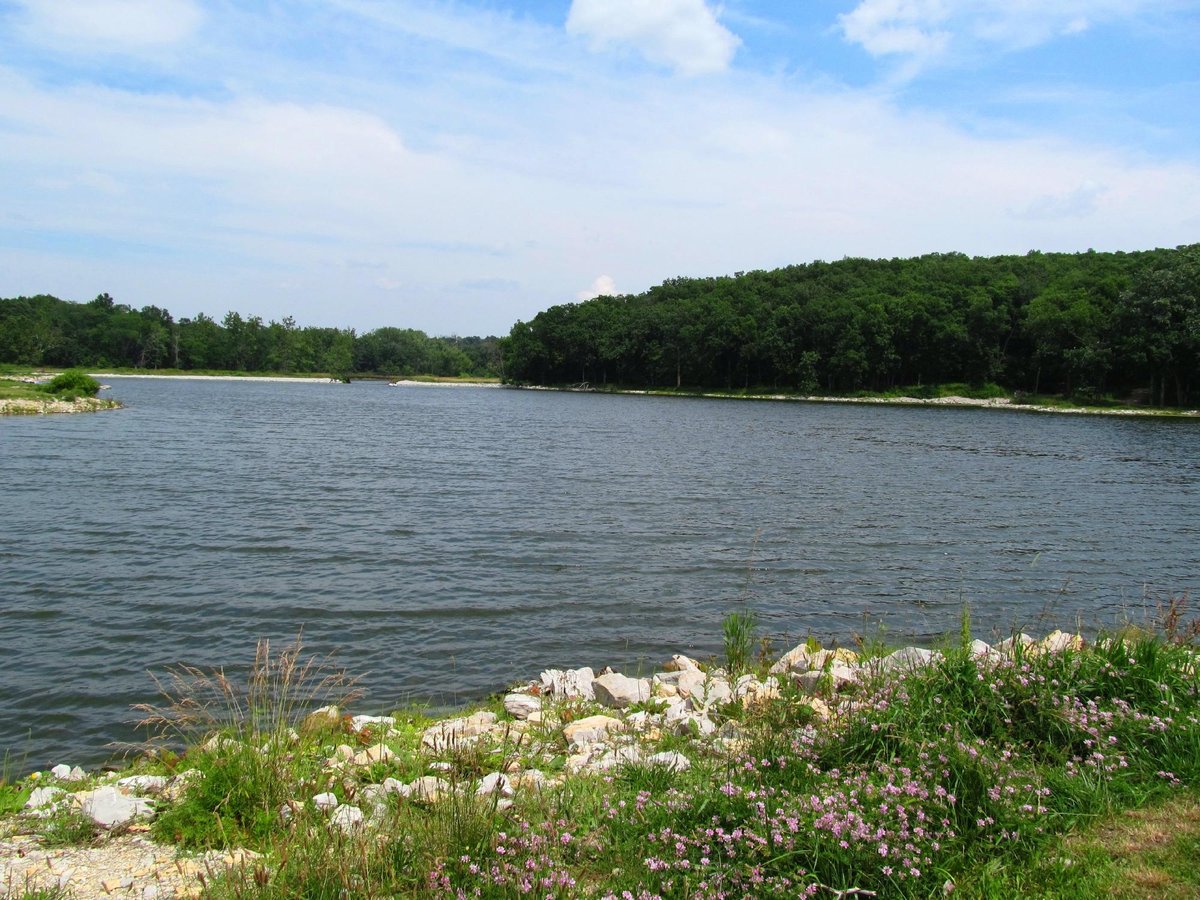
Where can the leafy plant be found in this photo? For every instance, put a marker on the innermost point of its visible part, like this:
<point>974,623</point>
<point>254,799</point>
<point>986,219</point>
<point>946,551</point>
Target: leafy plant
<point>73,383</point>
<point>739,627</point>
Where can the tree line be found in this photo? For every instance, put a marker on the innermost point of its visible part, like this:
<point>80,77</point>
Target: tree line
<point>1084,325</point>
<point>46,331</point>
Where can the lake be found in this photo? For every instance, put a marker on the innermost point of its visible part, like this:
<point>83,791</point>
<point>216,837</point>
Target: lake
<point>444,542</point>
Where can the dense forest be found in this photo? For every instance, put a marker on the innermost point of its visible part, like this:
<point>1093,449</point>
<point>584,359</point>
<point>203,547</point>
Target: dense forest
<point>46,331</point>
<point>1084,325</point>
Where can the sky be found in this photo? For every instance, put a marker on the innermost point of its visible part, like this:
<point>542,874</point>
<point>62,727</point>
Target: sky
<point>458,165</point>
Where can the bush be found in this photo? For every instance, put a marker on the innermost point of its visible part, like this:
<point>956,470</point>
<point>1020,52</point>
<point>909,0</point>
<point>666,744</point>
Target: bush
<point>73,383</point>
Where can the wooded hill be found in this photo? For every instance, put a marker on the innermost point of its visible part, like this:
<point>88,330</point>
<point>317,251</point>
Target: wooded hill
<point>1084,325</point>
<point>46,331</point>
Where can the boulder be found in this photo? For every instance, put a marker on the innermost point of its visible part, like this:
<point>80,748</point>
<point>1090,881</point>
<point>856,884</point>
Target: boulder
<point>676,762</point>
<point>376,723</point>
<point>378,753</point>
<point>43,797</point>
<point>618,691</point>
<point>805,657</point>
<point>428,788</point>
<point>319,721</point>
<point>325,802</point>
<point>495,783</point>
<point>348,819</point>
<point>456,732</point>
<point>1007,645</point>
<point>569,684</point>
<point>590,730</point>
<point>63,772</point>
<point>109,808</point>
<point>752,692</point>
<point>521,706</point>
<point>1058,642</point>
<point>711,692</point>
<point>814,681</point>
<point>630,755</point>
<point>906,659</point>
<point>681,663</point>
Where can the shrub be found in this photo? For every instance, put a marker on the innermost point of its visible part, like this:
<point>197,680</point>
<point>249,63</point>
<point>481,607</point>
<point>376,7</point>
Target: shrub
<point>73,383</point>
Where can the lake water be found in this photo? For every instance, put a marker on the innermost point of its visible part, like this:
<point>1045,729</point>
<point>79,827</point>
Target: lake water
<point>448,541</point>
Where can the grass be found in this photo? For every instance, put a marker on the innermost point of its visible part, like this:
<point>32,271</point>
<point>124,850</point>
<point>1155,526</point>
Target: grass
<point>1073,773</point>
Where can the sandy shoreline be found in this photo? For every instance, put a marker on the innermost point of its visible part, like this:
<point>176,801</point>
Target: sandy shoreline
<point>952,402</point>
<point>287,378</point>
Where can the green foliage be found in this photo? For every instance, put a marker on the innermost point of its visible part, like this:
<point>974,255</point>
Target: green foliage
<point>739,632</point>
<point>68,828</point>
<point>1083,325</point>
<point>73,383</point>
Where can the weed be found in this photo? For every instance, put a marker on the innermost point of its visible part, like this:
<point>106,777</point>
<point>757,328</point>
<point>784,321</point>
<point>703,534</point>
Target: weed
<point>739,627</point>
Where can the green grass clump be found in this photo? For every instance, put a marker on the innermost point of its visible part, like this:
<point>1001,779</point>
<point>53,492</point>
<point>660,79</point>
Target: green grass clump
<point>71,384</point>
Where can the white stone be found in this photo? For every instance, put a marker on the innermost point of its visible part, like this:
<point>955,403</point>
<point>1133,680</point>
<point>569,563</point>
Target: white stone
<point>378,753</point>
<point>108,807</point>
<point>614,759</point>
<point>591,730</point>
<point>814,680</point>
<point>43,796</point>
<point>358,723</point>
<point>325,802</point>
<point>458,732</point>
<point>710,693</point>
<point>980,648</point>
<point>394,786</point>
<point>681,663</point>
<point>1060,641</point>
<point>618,691</point>
<point>428,788</point>
<point>521,706</point>
<point>348,818</point>
<point>569,684</point>
<point>1006,645</point>
<point>672,760</point>
<point>907,659</point>
<point>495,783</point>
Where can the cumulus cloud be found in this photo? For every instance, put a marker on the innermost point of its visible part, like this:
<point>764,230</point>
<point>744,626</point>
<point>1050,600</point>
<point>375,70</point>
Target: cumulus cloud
<point>603,286</point>
<point>924,30</point>
<point>112,24</point>
<point>682,34</point>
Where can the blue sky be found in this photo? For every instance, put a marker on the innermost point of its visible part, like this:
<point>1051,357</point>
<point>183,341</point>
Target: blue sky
<point>456,166</point>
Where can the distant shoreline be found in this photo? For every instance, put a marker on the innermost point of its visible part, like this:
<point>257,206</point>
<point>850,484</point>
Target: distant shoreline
<point>953,402</point>
<point>288,378</point>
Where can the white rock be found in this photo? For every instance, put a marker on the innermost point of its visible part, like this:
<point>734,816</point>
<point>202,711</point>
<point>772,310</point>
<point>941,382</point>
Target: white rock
<point>591,730</point>
<point>838,677</point>
<point>378,753</point>
<point>348,818</point>
<point>325,802</point>
<point>803,658</point>
<point>1060,641</point>
<point>43,796</point>
<point>681,663</point>
<point>907,659</point>
<point>394,786</point>
<point>614,759</point>
<point>495,783</point>
<point>980,648</point>
<point>385,723</point>
<point>529,779</point>
<point>1006,645</point>
<point>672,760</point>
<point>710,693</point>
<point>108,807</point>
<point>458,732</point>
<point>618,691</point>
<point>428,788</point>
<point>569,684</point>
<point>521,706</point>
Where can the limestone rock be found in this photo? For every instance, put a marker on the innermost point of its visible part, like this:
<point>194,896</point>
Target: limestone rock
<point>613,759</point>
<point>681,663</point>
<point>590,730</point>
<point>64,772</point>
<point>752,692</point>
<point>906,659</point>
<point>521,706</point>
<point>375,723</point>
<point>980,649</point>
<point>456,732</point>
<point>711,692</point>
<point>495,783</point>
<point>327,718</point>
<point>1060,641</point>
<point>569,684</point>
<point>378,753</point>
<point>672,760</point>
<point>43,797</point>
<point>804,658</point>
<point>428,788</point>
<point>814,681</point>
<point>1007,645</point>
<point>618,691</point>
<point>348,819</point>
<point>109,808</point>
<point>325,802</point>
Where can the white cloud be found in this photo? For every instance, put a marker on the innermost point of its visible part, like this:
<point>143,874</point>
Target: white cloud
<point>682,34</point>
<point>925,30</point>
<point>603,286</point>
<point>111,24</point>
